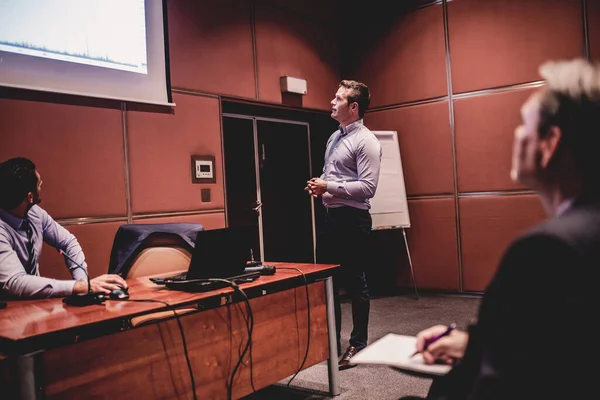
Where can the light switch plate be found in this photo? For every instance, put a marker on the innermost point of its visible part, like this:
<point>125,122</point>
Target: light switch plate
<point>205,195</point>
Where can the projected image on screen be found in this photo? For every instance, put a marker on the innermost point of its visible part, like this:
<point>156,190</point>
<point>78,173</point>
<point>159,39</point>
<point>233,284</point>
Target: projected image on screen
<point>107,33</point>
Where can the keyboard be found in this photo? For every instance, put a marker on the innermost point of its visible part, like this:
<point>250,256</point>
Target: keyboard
<point>161,281</point>
<point>191,286</point>
<point>182,279</point>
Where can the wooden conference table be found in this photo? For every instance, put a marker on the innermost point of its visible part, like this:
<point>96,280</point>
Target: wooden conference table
<point>52,350</point>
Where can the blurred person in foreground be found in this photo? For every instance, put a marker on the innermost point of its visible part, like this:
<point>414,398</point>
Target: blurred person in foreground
<point>533,338</point>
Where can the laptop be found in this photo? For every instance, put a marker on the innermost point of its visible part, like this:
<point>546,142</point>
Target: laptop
<point>218,253</point>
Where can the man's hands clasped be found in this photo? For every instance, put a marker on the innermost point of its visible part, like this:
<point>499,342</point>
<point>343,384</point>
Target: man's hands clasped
<point>316,187</point>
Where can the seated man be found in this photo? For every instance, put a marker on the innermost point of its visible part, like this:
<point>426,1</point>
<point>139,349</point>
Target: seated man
<point>532,335</point>
<point>23,227</point>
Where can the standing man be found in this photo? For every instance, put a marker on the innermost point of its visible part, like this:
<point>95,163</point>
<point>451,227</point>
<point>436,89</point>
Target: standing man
<point>23,227</point>
<point>530,340</point>
<point>349,180</point>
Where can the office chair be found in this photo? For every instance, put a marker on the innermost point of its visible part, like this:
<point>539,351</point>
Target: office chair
<point>161,253</point>
<point>161,258</point>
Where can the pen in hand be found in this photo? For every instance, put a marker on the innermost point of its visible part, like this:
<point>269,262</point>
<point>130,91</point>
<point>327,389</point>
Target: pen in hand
<point>429,341</point>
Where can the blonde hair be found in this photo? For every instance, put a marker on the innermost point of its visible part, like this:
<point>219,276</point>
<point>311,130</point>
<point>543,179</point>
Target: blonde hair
<point>571,101</point>
<point>573,79</point>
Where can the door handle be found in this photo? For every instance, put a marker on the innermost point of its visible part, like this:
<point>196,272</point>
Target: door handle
<point>263,156</point>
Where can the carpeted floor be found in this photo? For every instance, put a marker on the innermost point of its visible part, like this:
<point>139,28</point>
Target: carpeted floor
<point>399,314</point>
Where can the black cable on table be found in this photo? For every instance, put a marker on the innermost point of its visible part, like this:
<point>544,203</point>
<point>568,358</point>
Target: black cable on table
<point>187,358</point>
<point>307,327</point>
<point>249,326</point>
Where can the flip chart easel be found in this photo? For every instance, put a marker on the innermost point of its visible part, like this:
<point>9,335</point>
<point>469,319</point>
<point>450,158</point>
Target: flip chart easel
<point>389,206</point>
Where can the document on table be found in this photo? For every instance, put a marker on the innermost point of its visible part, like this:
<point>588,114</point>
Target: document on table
<point>395,351</point>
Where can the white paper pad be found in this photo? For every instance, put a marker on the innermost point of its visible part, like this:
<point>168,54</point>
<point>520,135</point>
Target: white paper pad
<point>395,351</point>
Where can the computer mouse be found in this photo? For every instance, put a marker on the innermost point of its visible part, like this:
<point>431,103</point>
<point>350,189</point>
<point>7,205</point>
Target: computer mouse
<point>119,294</point>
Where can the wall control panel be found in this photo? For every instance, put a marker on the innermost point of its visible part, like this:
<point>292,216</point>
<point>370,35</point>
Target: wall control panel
<point>203,169</point>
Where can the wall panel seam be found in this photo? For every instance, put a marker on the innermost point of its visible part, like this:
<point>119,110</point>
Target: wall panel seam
<point>224,173</point>
<point>408,104</point>
<point>230,99</point>
<point>492,193</point>
<point>90,220</point>
<point>461,95</point>
<point>586,30</point>
<point>463,195</point>
<point>194,92</point>
<point>453,141</point>
<point>178,213</point>
<point>254,52</point>
<point>107,219</point>
<point>126,160</point>
<point>246,100</point>
<point>499,89</point>
<point>430,197</point>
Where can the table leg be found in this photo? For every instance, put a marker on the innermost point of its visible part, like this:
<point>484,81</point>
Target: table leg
<point>332,363</point>
<point>26,370</point>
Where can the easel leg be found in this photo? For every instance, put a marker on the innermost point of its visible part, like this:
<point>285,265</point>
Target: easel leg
<point>412,272</point>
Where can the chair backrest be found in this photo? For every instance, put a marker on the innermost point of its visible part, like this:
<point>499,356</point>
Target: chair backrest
<point>152,249</point>
<point>160,261</point>
<point>162,255</point>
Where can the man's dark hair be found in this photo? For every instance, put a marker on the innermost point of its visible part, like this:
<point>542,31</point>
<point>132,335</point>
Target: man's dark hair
<point>359,94</point>
<point>571,101</point>
<point>17,179</point>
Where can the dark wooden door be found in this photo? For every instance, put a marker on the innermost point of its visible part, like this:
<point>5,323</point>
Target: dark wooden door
<point>267,164</point>
<point>286,208</point>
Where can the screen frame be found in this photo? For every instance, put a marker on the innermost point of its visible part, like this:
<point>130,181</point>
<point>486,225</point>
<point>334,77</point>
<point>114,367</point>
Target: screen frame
<point>55,95</point>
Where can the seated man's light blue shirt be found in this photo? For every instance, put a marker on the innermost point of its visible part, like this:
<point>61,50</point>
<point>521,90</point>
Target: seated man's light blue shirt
<point>14,279</point>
